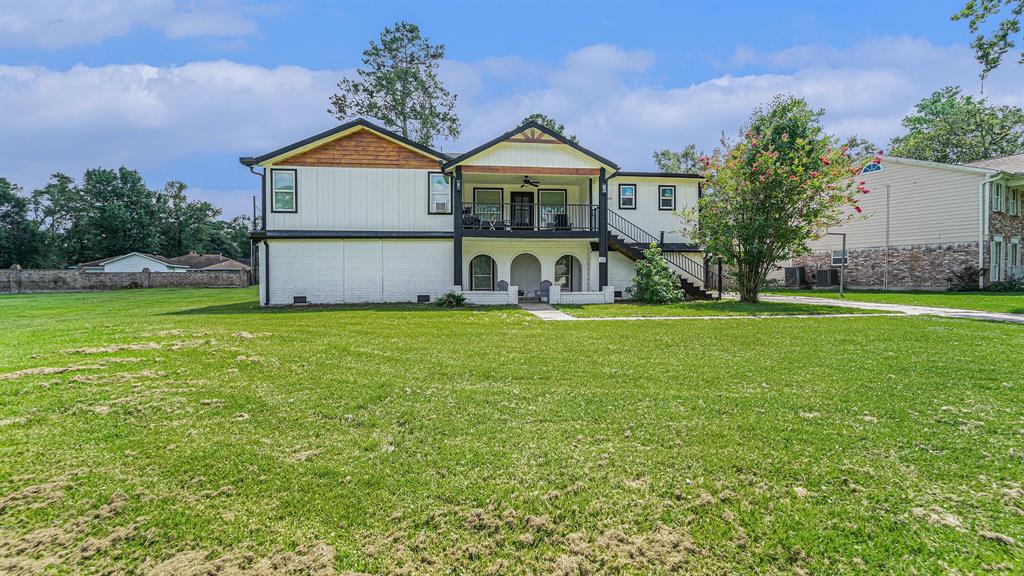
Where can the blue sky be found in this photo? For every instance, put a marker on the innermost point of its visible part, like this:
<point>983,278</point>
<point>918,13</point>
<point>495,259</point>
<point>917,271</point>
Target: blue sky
<point>180,90</point>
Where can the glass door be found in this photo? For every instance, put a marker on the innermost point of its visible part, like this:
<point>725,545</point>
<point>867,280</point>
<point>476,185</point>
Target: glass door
<point>522,209</point>
<point>552,209</point>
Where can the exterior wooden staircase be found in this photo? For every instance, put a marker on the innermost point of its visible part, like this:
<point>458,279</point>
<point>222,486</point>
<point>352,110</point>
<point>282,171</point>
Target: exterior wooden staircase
<point>631,240</point>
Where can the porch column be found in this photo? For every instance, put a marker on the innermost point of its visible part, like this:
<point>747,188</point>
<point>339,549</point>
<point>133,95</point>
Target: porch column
<point>457,228</point>
<point>602,230</point>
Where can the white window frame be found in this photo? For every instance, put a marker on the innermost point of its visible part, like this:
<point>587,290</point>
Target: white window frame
<point>294,191</point>
<point>997,196</point>
<point>996,257</point>
<point>432,204</point>
<point>661,200</point>
<point>632,199</point>
<point>840,258</point>
<point>1013,201</point>
<point>1016,263</point>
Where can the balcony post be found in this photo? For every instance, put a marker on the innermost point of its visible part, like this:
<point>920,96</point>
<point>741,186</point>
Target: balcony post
<point>457,227</point>
<point>602,225</point>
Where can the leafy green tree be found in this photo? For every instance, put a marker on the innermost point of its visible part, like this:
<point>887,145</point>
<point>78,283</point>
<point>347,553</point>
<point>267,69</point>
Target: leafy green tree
<point>60,209</point>
<point>655,283</point>
<point>990,50</point>
<point>549,123</point>
<point>21,240</point>
<point>230,238</point>
<point>124,215</point>
<point>185,225</point>
<point>785,183</point>
<point>684,161</point>
<point>954,128</point>
<point>398,85</point>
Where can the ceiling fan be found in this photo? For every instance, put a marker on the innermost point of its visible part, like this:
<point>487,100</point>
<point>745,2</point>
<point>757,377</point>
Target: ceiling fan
<point>528,182</point>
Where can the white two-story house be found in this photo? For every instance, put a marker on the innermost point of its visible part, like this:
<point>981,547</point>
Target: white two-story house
<point>361,214</point>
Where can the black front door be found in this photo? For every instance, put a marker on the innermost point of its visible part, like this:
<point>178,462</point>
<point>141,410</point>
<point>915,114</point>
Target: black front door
<point>522,209</point>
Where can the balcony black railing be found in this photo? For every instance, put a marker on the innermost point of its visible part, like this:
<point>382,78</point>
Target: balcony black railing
<point>529,216</point>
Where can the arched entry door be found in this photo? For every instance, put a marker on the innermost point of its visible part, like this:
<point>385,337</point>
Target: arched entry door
<point>525,274</point>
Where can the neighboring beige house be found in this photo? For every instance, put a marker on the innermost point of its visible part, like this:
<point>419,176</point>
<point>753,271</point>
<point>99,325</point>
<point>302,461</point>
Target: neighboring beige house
<point>361,214</point>
<point>923,220</point>
<point>132,262</point>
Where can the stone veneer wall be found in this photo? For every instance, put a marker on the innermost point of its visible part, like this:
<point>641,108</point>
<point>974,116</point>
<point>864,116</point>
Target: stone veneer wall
<point>15,280</point>
<point>918,266</point>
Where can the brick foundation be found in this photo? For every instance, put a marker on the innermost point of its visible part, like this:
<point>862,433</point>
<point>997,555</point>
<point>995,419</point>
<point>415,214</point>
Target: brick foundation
<point>913,267</point>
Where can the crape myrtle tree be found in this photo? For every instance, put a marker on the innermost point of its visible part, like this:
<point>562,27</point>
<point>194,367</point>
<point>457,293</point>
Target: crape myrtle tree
<point>398,85</point>
<point>783,184</point>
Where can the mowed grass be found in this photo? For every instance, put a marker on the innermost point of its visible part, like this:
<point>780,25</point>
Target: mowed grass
<point>1010,302</point>
<point>703,308</point>
<point>193,432</point>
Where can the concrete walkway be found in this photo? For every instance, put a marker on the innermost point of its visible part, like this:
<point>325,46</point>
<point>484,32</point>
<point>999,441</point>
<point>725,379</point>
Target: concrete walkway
<point>548,312</point>
<point>902,308</point>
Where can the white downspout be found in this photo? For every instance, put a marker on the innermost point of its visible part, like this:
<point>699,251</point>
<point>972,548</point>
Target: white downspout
<point>983,226</point>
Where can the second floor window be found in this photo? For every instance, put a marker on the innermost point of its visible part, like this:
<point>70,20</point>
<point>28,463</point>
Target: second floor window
<point>627,196</point>
<point>666,197</point>
<point>440,194</point>
<point>284,189</point>
<point>997,196</point>
<point>1013,201</point>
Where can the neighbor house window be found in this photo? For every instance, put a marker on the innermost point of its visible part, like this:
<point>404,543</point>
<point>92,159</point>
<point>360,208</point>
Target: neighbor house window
<point>440,193</point>
<point>997,196</point>
<point>872,167</point>
<point>627,196</point>
<point>1013,198</point>
<point>1015,260</point>
<point>284,189</point>
<point>666,197</point>
<point>482,271</point>
<point>997,255</point>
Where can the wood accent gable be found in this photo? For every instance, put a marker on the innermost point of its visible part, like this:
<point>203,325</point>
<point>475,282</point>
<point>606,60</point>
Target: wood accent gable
<point>533,136</point>
<point>361,149</point>
<point>530,170</point>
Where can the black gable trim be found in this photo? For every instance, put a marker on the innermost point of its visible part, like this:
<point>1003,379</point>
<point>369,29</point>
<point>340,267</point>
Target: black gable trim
<point>527,126</point>
<point>657,175</point>
<point>253,160</point>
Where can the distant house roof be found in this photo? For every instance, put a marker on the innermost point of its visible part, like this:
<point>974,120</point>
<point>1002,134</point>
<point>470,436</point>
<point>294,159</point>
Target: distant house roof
<point>1013,164</point>
<point>207,261</point>
<point>154,257</point>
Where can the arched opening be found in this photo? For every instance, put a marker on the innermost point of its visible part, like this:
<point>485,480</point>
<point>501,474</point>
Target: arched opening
<point>525,274</point>
<point>569,273</point>
<point>482,273</point>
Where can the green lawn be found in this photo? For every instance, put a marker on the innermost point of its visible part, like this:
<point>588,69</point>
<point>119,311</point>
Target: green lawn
<point>703,308</point>
<point>1012,302</point>
<point>190,432</point>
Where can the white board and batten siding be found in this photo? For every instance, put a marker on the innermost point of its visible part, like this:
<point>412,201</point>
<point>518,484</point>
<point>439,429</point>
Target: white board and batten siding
<point>378,199</point>
<point>332,271</point>
<point>647,215</point>
<point>531,155</point>
<point>918,204</point>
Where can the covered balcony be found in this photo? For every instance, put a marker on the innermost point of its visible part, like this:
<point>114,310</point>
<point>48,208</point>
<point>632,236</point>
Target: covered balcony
<point>549,206</point>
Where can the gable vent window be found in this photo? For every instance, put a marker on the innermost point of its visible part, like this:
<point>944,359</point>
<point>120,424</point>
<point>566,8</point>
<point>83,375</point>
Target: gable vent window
<point>440,189</point>
<point>872,167</point>
<point>666,197</point>
<point>285,189</point>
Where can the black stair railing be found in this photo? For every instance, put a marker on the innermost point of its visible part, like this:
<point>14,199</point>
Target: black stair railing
<point>637,235</point>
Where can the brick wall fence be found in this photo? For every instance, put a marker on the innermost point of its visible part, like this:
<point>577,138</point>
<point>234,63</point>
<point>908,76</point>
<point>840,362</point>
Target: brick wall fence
<point>918,266</point>
<point>15,280</point>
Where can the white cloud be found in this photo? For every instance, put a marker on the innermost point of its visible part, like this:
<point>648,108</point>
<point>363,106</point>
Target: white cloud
<point>152,118</point>
<point>54,24</point>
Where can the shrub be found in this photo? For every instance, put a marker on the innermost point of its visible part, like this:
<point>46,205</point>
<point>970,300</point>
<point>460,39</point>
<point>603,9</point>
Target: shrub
<point>655,282</point>
<point>1013,284</point>
<point>965,279</point>
<point>451,300</point>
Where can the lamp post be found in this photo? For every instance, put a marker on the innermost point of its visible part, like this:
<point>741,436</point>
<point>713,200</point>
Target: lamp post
<point>846,258</point>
